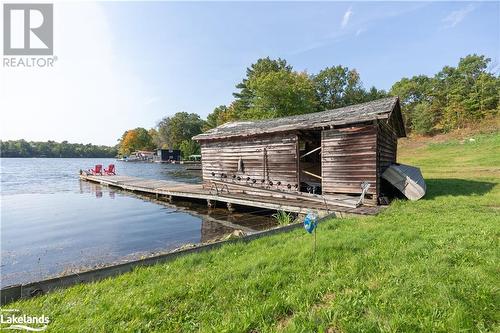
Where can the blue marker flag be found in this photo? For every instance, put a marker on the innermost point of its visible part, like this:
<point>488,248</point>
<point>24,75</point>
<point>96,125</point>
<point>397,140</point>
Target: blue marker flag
<point>310,222</point>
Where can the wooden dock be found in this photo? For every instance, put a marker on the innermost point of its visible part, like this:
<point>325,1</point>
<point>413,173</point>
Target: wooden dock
<point>231,195</point>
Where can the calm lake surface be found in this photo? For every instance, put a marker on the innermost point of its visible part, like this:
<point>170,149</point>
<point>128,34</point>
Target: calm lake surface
<point>52,223</point>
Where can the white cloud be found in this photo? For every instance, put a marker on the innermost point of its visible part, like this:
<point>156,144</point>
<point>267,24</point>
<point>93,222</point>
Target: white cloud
<point>363,22</point>
<point>457,16</point>
<point>90,95</point>
<point>346,17</point>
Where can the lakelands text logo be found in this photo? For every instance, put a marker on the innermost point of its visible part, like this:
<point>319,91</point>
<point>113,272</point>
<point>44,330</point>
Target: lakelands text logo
<point>17,321</point>
<point>28,30</point>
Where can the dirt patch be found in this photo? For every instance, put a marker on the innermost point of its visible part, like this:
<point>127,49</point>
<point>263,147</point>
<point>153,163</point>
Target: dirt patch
<point>325,301</point>
<point>284,322</point>
<point>373,284</point>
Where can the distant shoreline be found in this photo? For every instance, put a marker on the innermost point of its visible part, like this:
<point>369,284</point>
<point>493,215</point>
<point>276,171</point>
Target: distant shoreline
<point>51,149</point>
<point>53,157</point>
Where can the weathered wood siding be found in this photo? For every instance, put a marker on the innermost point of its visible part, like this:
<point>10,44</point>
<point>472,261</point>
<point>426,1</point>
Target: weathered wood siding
<point>387,145</point>
<point>349,157</point>
<point>222,156</point>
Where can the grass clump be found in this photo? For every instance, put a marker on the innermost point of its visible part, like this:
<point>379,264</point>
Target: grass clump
<point>424,266</point>
<point>283,218</point>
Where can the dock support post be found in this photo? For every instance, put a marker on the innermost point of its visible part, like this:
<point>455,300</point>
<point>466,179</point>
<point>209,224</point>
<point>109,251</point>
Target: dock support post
<point>210,203</point>
<point>230,207</point>
<point>169,198</point>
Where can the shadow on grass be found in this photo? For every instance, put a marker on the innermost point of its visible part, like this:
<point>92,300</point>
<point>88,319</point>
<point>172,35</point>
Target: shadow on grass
<point>442,187</point>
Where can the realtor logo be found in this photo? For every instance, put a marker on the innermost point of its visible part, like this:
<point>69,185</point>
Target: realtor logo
<point>28,29</point>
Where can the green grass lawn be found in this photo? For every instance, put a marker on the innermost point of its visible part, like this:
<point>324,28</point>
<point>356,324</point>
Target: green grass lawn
<point>430,265</point>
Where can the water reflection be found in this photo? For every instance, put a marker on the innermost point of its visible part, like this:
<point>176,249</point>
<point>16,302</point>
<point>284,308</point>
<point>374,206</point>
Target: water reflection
<point>49,234</point>
<point>95,189</point>
<point>211,230</point>
<point>215,222</point>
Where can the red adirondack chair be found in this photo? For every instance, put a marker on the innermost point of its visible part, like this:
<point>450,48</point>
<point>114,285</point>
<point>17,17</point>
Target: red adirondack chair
<point>110,170</point>
<point>97,170</point>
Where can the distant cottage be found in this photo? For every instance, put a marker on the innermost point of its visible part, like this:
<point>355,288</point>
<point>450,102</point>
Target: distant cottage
<point>167,155</point>
<point>332,152</point>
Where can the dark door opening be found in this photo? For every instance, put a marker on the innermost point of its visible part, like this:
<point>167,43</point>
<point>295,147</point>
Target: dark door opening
<point>309,147</point>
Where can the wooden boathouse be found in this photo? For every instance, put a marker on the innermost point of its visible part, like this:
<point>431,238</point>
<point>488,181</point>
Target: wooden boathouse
<point>329,162</point>
<point>334,154</point>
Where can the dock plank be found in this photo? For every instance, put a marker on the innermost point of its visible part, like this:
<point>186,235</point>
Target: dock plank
<point>273,201</point>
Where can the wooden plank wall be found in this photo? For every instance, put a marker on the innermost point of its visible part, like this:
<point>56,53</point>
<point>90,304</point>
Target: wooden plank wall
<point>222,156</point>
<point>386,149</point>
<point>349,157</point>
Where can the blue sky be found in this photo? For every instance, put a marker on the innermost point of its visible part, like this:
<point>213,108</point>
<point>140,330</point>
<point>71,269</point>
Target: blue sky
<point>167,57</point>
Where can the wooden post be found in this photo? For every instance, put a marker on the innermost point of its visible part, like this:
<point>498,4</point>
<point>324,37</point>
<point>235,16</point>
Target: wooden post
<point>210,203</point>
<point>230,207</point>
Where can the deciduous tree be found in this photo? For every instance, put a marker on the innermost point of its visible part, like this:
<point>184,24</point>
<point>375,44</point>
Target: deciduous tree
<point>136,139</point>
<point>189,147</point>
<point>245,97</point>
<point>181,126</point>
<point>279,94</point>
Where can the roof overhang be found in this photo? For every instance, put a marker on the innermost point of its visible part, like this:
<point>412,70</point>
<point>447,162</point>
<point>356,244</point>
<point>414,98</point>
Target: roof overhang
<point>384,109</point>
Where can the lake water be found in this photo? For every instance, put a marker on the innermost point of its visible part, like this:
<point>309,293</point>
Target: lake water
<point>52,223</point>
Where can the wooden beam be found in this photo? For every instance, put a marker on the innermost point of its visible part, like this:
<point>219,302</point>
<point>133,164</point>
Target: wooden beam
<point>311,174</point>
<point>312,151</point>
<point>261,197</point>
<point>297,195</point>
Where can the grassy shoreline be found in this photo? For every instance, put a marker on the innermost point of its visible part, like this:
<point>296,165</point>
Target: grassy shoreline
<point>430,265</point>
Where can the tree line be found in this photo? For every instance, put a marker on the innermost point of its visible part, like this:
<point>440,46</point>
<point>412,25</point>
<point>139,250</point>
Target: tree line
<point>272,89</point>
<point>23,148</point>
<point>453,98</point>
<point>173,132</point>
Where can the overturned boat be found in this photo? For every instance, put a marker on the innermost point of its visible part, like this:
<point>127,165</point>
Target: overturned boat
<point>407,179</point>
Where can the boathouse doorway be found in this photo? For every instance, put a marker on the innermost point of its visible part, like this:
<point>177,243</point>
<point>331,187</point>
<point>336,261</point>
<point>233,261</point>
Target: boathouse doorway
<point>309,161</point>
